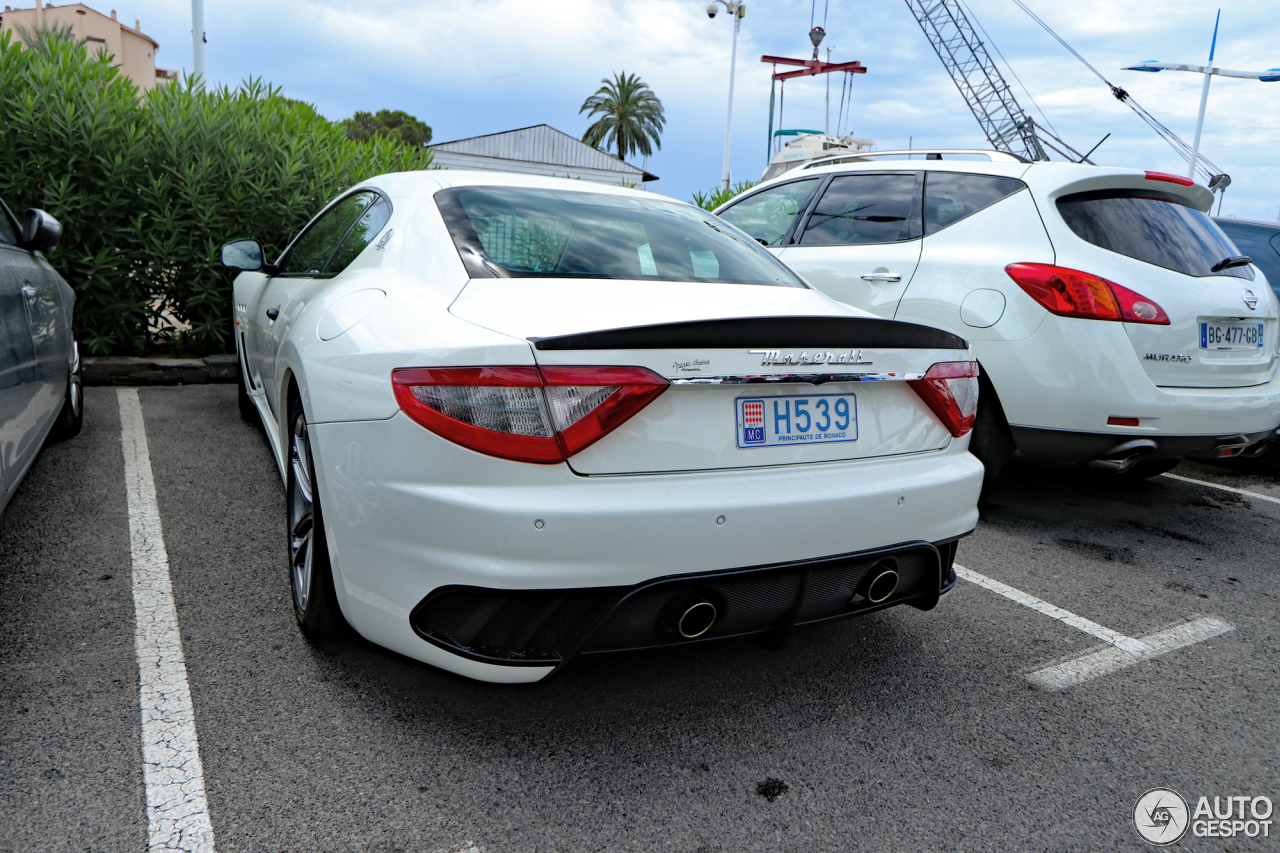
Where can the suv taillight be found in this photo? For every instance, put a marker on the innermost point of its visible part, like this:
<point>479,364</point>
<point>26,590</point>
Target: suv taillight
<point>950,390</point>
<point>1071,293</point>
<point>530,414</point>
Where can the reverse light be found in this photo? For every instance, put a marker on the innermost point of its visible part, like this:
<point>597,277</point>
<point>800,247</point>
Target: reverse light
<point>1071,293</point>
<point>950,390</point>
<point>529,414</point>
<point>1170,179</point>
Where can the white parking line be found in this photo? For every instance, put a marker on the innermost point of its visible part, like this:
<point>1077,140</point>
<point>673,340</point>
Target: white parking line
<point>1124,651</point>
<point>1233,489</point>
<point>1066,617</point>
<point>177,810</point>
<point>1078,670</point>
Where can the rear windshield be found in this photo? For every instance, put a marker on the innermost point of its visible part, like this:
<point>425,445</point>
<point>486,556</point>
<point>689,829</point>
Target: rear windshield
<point>1159,228</point>
<point>533,233</point>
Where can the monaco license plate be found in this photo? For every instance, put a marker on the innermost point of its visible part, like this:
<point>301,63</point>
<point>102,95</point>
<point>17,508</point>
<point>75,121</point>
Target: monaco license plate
<point>1226,335</point>
<point>795,419</point>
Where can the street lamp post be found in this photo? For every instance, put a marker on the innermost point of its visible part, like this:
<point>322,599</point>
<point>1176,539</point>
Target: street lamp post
<point>738,10</point>
<point>1268,76</point>
<point>197,39</point>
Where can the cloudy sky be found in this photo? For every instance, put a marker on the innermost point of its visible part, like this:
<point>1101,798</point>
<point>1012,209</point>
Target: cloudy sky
<point>470,67</point>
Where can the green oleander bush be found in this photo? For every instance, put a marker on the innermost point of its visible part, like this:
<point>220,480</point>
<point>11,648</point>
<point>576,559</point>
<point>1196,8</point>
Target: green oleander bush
<point>717,196</point>
<point>148,187</point>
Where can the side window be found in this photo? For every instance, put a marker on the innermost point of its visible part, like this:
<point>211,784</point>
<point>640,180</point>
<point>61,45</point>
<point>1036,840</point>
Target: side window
<point>1260,243</point>
<point>311,252</point>
<point>767,215</point>
<point>859,209</point>
<point>950,197</point>
<point>360,236</point>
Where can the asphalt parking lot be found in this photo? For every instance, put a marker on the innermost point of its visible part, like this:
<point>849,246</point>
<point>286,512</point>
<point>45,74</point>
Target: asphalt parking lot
<point>1110,638</point>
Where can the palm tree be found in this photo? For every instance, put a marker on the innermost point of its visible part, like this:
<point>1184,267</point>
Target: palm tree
<point>632,119</point>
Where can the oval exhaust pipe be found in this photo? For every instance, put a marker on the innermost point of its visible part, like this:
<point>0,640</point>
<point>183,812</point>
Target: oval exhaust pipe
<point>880,581</point>
<point>697,619</point>
<point>882,586</point>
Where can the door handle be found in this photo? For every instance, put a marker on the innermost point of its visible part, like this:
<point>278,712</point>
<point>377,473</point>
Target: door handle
<point>882,276</point>
<point>273,313</point>
<point>30,292</point>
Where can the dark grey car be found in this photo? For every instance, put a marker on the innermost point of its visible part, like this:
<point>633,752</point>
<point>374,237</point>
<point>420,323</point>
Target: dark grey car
<point>40,389</point>
<point>1260,241</point>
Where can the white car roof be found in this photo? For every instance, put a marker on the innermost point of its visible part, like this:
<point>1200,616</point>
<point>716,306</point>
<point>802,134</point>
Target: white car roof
<point>1045,179</point>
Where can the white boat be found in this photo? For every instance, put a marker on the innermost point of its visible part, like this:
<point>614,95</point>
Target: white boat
<point>810,145</point>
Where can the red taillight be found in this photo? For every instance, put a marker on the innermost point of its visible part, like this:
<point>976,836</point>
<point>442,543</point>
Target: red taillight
<point>950,390</point>
<point>1118,421</point>
<point>1170,179</point>
<point>1071,293</point>
<point>529,414</point>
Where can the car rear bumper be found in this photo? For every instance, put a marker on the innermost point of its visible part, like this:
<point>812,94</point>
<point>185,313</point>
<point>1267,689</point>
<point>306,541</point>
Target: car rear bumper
<point>408,512</point>
<point>1069,393</point>
<point>550,627</point>
<point>1056,447</point>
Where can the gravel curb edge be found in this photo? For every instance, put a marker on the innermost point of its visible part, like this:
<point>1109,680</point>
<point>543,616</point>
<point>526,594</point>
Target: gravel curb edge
<point>160,371</point>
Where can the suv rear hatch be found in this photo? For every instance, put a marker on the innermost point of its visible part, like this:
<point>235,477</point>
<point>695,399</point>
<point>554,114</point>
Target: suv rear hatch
<point>782,349</point>
<point>1155,239</point>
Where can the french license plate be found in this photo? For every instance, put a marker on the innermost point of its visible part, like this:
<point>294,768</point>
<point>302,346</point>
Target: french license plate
<point>794,419</point>
<point>1230,336</point>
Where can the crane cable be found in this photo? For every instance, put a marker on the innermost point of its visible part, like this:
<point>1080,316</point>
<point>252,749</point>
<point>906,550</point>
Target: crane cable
<point>1009,65</point>
<point>1203,164</point>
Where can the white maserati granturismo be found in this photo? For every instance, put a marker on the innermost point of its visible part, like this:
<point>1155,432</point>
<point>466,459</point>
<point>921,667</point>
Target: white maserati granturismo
<point>524,419</point>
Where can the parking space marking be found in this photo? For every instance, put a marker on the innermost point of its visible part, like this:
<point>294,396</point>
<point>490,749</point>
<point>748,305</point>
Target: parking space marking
<point>1244,492</point>
<point>1079,670</point>
<point>1124,651</point>
<point>177,809</point>
<point>1066,617</point>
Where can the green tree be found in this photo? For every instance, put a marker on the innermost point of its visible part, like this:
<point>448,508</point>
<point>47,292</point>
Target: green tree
<point>632,117</point>
<point>398,126</point>
<point>148,189</point>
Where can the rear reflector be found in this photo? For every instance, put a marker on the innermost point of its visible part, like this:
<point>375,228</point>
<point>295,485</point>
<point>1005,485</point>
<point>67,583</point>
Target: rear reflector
<point>1170,179</point>
<point>1114,421</point>
<point>1071,293</point>
<point>950,390</point>
<point>529,414</point>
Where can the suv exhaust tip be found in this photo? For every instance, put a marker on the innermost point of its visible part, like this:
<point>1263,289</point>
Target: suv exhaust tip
<point>1124,456</point>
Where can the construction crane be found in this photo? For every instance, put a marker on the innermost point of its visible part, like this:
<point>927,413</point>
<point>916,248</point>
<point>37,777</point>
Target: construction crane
<point>983,87</point>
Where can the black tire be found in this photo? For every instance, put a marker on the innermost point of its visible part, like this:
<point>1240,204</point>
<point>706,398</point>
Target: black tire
<point>315,602</point>
<point>71,417</point>
<point>1149,468</point>
<point>992,441</point>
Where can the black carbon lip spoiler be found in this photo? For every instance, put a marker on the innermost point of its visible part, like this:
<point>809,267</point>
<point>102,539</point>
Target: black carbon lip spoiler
<point>851,332</point>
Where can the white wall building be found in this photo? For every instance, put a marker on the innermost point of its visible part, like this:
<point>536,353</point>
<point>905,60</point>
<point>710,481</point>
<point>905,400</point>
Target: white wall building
<point>538,150</point>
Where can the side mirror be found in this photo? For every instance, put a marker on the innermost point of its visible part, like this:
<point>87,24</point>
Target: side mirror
<point>242,255</point>
<point>40,231</point>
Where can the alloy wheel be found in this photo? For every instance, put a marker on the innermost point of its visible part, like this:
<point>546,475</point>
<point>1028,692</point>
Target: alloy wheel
<point>301,513</point>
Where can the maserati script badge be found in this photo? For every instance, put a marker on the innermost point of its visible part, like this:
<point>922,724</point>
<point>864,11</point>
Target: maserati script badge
<point>1250,299</point>
<point>773,356</point>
